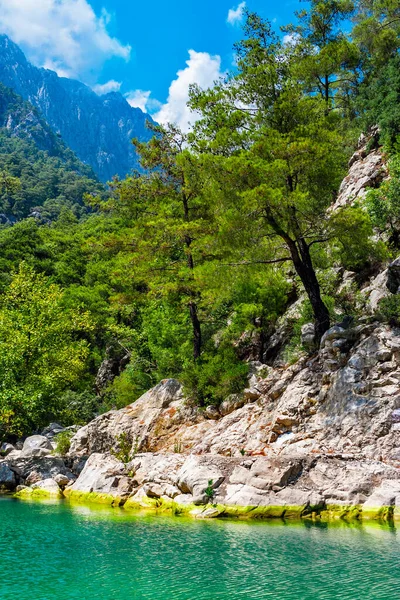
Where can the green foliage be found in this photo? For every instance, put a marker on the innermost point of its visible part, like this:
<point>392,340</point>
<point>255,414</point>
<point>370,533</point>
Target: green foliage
<point>124,451</point>
<point>379,102</point>
<point>389,310</point>
<point>354,244</point>
<point>77,407</point>
<point>42,353</point>
<point>209,491</point>
<point>218,374</point>
<point>181,266</point>
<point>383,204</point>
<point>63,442</point>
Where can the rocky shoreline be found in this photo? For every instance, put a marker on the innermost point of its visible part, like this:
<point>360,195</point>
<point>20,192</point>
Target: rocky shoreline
<point>319,440</point>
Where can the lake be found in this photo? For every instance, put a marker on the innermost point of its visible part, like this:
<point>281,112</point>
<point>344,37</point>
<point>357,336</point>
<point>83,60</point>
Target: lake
<point>59,551</point>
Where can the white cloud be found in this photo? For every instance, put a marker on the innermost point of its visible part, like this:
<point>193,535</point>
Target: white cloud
<point>203,69</point>
<point>291,39</point>
<point>235,15</point>
<point>65,35</point>
<point>138,99</point>
<point>109,86</point>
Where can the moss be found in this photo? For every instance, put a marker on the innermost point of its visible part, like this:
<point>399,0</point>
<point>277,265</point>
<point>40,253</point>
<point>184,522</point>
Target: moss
<point>29,493</point>
<point>93,498</point>
<point>340,514</point>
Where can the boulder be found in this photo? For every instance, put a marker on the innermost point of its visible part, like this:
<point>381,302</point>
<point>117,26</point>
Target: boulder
<point>48,487</point>
<point>102,476</point>
<point>38,468</point>
<point>7,477</point>
<point>36,445</point>
<point>196,476</point>
<point>5,449</point>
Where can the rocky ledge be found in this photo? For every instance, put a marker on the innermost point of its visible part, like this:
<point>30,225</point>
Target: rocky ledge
<point>317,439</point>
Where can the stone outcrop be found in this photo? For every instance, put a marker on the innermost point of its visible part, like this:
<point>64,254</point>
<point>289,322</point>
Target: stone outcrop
<point>367,169</point>
<point>319,437</point>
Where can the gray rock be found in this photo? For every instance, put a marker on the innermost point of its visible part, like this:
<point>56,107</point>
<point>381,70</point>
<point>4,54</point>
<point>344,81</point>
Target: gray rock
<point>36,445</point>
<point>232,403</point>
<point>5,449</point>
<point>49,486</point>
<point>103,474</point>
<point>195,476</point>
<point>7,477</point>
<point>308,336</point>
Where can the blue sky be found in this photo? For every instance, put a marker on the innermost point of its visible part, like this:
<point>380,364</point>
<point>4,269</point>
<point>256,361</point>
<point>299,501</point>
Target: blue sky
<point>140,48</point>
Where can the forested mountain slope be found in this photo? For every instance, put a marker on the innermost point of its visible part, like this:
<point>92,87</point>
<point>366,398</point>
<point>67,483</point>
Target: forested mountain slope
<point>49,175</point>
<point>98,129</point>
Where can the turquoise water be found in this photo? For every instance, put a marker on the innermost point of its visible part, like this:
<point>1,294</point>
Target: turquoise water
<point>51,552</point>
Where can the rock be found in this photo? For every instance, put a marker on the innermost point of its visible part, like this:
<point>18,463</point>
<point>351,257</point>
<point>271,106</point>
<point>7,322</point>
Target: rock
<point>32,478</point>
<point>382,502</point>
<point>43,467</point>
<point>141,422</point>
<point>62,480</point>
<point>36,445</point>
<point>52,430</point>
<point>102,476</point>
<point>232,403</point>
<point>208,513</point>
<point>334,333</point>
<point>197,474</point>
<point>212,412</point>
<point>393,276</point>
<point>5,449</point>
<point>308,336</point>
<point>7,477</point>
<point>366,171</point>
<point>49,487</point>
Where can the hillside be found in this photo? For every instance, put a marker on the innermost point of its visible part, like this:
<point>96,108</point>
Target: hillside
<point>98,129</point>
<point>50,176</point>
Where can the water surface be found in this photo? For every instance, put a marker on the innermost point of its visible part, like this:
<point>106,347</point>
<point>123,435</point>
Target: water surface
<point>57,551</point>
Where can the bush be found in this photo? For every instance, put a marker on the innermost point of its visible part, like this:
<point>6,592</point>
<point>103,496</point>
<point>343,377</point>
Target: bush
<point>214,377</point>
<point>77,408</point>
<point>389,310</point>
<point>63,442</point>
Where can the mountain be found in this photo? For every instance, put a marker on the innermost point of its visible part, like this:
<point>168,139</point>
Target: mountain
<point>98,129</point>
<point>50,175</point>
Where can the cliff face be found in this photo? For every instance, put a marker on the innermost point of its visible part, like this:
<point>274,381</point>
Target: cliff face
<point>22,120</point>
<point>98,129</point>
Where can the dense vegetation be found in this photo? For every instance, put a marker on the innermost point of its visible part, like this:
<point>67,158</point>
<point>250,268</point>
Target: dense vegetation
<point>50,177</point>
<point>188,266</point>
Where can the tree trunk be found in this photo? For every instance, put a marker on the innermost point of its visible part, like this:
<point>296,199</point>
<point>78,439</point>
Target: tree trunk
<point>302,262</point>
<point>196,330</point>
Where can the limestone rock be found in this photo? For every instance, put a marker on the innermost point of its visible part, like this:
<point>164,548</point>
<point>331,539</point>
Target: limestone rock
<point>142,422</point>
<point>49,487</point>
<point>198,474</point>
<point>308,336</point>
<point>36,445</point>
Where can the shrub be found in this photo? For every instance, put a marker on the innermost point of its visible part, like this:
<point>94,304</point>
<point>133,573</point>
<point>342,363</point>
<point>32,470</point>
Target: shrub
<point>214,377</point>
<point>63,442</point>
<point>389,310</point>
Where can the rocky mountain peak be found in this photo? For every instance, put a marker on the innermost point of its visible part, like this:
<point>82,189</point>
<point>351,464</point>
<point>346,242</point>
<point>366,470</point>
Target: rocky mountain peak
<point>99,129</point>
